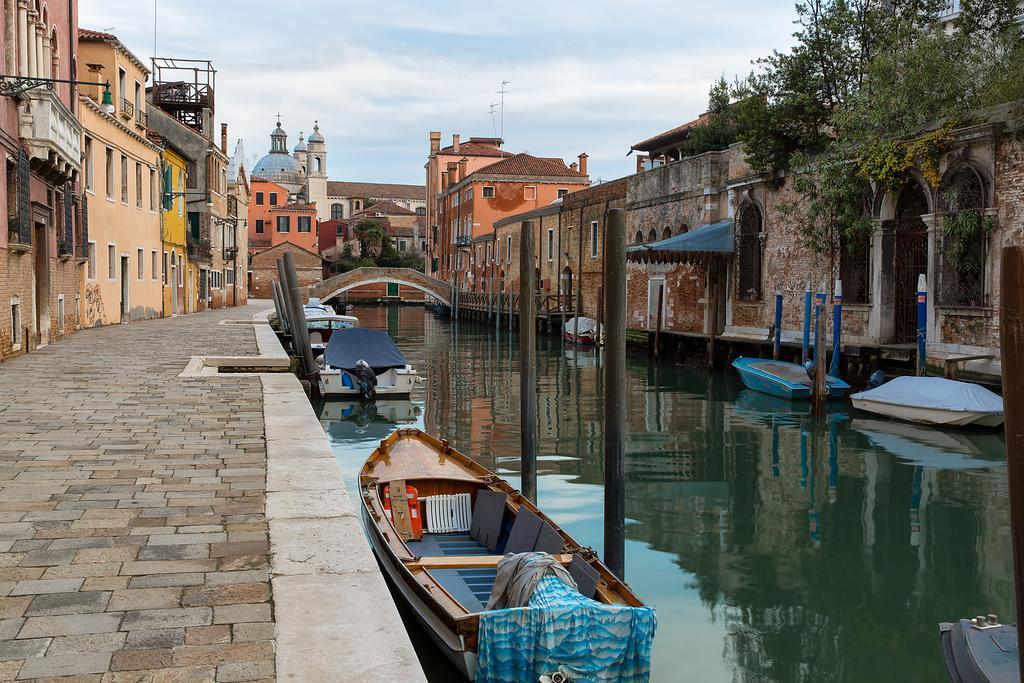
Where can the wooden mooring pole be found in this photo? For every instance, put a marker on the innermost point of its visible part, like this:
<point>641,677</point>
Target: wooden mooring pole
<point>818,393</point>
<point>657,326</point>
<point>615,393</point>
<point>599,337</point>
<point>300,333</point>
<point>527,363</point>
<point>1011,346</point>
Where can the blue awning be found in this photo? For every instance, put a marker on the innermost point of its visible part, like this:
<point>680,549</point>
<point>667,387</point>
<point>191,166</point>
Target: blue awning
<point>713,238</point>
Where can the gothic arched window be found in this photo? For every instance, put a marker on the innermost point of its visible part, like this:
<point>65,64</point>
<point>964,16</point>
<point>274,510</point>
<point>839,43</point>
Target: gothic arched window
<point>748,252</point>
<point>666,233</point>
<point>638,238</point>
<point>964,240</point>
<point>337,212</point>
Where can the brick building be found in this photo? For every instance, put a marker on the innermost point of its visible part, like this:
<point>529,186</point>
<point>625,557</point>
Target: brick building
<point>42,251</point>
<point>471,203</point>
<point>275,218</point>
<point>982,168</point>
<point>263,268</point>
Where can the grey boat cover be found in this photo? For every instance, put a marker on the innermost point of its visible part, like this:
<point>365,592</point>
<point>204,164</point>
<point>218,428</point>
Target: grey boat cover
<point>936,393</point>
<point>358,343</point>
<point>518,576</point>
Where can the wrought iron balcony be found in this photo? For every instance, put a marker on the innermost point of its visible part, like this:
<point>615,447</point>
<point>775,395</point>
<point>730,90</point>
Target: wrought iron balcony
<point>142,118</point>
<point>127,108</point>
<point>463,240</point>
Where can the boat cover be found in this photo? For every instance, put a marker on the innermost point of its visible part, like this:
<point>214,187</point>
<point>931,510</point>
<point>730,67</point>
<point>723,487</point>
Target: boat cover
<point>594,642</point>
<point>936,393</point>
<point>374,346</point>
<point>582,326</point>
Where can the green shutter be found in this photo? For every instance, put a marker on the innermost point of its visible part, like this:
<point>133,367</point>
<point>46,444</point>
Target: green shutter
<point>168,188</point>
<point>24,199</point>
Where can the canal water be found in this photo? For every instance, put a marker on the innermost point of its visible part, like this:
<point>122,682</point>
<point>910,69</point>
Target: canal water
<point>775,547</point>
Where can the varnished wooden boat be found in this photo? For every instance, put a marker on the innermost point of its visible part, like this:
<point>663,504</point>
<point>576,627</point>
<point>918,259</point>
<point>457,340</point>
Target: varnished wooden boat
<point>446,577</point>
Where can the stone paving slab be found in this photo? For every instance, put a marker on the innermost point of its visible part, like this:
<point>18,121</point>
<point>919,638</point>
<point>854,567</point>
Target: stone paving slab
<point>134,544</point>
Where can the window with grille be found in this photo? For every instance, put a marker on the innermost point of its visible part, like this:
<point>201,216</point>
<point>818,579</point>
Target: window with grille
<point>748,251</point>
<point>593,239</point>
<point>963,239</point>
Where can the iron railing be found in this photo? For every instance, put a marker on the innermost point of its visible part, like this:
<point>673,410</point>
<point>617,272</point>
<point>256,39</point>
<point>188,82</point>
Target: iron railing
<point>141,117</point>
<point>127,108</point>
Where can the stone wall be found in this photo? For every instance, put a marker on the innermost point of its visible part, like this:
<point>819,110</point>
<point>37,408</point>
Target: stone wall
<point>16,281</point>
<point>308,268</point>
<point>583,208</point>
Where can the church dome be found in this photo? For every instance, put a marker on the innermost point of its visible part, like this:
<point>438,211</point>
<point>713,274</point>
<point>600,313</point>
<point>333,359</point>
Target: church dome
<point>301,147</point>
<point>279,166</point>
<point>315,136</point>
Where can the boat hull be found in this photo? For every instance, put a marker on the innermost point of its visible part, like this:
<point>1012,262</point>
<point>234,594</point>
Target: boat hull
<point>930,416</point>
<point>396,383</point>
<point>760,375</point>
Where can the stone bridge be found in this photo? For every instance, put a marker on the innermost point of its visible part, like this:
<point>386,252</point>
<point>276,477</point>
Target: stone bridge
<point>338,284</point>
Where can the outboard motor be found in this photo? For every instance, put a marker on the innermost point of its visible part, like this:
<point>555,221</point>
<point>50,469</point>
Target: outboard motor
<point>809,369</point>
<point>876,380</point>
<point>366,378</point>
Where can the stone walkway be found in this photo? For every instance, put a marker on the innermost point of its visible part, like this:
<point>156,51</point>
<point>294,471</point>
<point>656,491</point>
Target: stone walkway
<point>133,540</point>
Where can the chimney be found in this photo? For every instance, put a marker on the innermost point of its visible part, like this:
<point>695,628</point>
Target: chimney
<point>444,180</point>
<point>453,172</point>
<point>224,138</point>
<point>435,142</point>
<point>574,166</point>
<point>455,143</point>
<point>462,167</point>
<point>583,163</point>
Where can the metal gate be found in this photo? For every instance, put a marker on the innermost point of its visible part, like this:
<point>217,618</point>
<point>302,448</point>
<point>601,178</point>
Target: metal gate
<point>910,261</point>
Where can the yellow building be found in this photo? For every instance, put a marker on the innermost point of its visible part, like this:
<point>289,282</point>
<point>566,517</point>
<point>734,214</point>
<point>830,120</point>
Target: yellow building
<point>175,252</point>
<point>121,169</point>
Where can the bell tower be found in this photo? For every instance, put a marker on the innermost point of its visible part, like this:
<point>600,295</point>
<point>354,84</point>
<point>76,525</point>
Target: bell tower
<point>316,172</point>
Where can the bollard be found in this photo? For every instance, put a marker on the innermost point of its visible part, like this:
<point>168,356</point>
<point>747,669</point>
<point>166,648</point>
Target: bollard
<point>1011,346</point>
<point>922,323</point>
<point>837,328</point>
<point>807,324</point>
<point>527,363</point>
<point>777,349</point>
<point>615,393</point>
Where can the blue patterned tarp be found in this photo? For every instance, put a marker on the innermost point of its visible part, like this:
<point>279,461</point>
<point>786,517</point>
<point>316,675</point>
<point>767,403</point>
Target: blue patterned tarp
<point>592,641</point>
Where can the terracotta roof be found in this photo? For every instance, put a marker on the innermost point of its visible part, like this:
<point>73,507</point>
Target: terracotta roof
<point>385,208</point>
<point>678,133</point>
<point>476,149</point>
<point>376,190</point>
<point>89,34</point>
<point>524,164</point>
<point>398,231</point>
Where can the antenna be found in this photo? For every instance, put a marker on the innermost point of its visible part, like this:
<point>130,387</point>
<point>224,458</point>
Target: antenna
<point>494,128</point>
<point>154,28</point>
<point>502,93</point>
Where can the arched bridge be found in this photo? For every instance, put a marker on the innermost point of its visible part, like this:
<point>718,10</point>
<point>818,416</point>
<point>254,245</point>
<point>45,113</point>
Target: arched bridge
<point>331,287</point>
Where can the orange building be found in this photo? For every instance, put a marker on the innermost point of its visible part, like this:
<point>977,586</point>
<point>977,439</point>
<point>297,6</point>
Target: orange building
<point>470,203</point>
<point>274,219</point>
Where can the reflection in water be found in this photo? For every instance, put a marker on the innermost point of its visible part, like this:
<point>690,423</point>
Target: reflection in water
<point>775,547</point>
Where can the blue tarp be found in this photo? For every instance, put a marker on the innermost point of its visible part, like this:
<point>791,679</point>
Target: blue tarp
<point>711,238</point>
<point>374,346</point>
<point>594,642</point>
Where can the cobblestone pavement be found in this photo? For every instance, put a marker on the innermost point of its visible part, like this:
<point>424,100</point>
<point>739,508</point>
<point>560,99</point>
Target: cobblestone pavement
<point>133,542</point>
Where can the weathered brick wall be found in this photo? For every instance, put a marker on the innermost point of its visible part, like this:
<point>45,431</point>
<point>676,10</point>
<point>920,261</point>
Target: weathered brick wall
<point>582,208</point>
<point>685,285</point>
<point>308,268</point>
<point>16,280</point>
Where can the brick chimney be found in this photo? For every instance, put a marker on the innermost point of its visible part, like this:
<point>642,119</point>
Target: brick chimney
<point>583,163</point>
<point>224,138</point>
<point>444,180</point>
<point>455,143</point>
<point>435,142</point>
<point>453,172</point>
<point>462,168</point>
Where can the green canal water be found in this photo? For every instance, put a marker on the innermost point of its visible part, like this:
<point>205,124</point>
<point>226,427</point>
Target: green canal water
<point>775,547</point>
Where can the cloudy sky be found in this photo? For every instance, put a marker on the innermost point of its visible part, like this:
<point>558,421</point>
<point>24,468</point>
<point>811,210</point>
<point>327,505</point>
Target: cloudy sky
<point>379,75</point>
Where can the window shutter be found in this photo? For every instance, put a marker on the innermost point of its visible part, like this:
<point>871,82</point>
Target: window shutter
<point>24,200</point>
<point>69,223</point>
<point>85,224</point>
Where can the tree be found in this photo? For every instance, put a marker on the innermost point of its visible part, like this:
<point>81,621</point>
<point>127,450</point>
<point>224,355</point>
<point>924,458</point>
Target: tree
<point>719,130</point>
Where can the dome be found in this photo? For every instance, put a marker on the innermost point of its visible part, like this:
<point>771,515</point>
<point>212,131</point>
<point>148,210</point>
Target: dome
<point>279,168</point>
<point>315,136</point>
<point>301,147</point>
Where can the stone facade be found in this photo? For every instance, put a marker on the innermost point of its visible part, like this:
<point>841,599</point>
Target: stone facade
<point>583,255</point>
<point>308,268</point>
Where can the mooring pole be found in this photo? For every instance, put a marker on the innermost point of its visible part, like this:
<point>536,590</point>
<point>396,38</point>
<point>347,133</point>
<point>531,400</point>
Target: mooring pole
<point>451,299</point>
<point>497,309</point>
<point>777,349</point>
<point>837,328</point>
<point>820,376</point>
<point>300,333</point>
<point>282,288</point>
<point>922,323</point>
<point>657,327</point>
<point>805,354</point>
<point>282,315</point>
<point>527,363</point>
<point>615,393</point>
<point>1011,345</point>
<point>600,317</point>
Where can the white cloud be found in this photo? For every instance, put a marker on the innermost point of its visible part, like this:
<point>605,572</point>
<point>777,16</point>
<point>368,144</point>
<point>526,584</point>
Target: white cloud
<point>379,76</point>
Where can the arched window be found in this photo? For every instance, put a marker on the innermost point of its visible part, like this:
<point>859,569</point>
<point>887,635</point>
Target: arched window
<point>652,235</point>
<point>638,238</point>
<point>54,55</point>
<point>748,252</point>
<point>683,228</point>
<point>421,211</point>
<point>337,211</point>
<point>666,233</point>
<point>316,164</point>
<point>964,241</point>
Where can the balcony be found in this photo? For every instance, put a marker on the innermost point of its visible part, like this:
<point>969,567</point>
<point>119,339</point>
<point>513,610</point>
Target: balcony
<point>127,109</point>
<point>463,240</point>
<point>52,134</point>
<point>142,118</point>
<point>199,250</point>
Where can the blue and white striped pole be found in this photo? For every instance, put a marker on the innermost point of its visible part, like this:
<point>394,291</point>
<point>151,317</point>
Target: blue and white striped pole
<point>807,324</point>
<point>922,322</point>
<point>837,327</point>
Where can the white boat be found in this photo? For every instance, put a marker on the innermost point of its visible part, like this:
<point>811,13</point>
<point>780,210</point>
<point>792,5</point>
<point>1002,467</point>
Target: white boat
<point>934,401</point>
<point>582,330</point>
<point>395,377</point>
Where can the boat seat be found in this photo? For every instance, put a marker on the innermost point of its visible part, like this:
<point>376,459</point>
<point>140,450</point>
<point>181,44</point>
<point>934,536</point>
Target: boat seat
<point>585,576</point>
<point>316,338</point>
<point>523,537</point>
<point>446,545</point>
<point>471,587</point>
<point>548,540</point>
<point>488,514</point>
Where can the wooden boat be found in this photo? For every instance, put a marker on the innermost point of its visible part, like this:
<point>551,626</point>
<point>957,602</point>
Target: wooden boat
<point>446,574</point>
<point>785,380</point>
<point>933,401</point>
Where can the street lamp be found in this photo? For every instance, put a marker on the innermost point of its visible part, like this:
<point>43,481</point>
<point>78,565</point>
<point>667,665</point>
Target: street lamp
<point>12,86</point>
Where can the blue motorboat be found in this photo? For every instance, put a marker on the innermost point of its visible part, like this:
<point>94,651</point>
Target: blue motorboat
<point>785,380</point>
